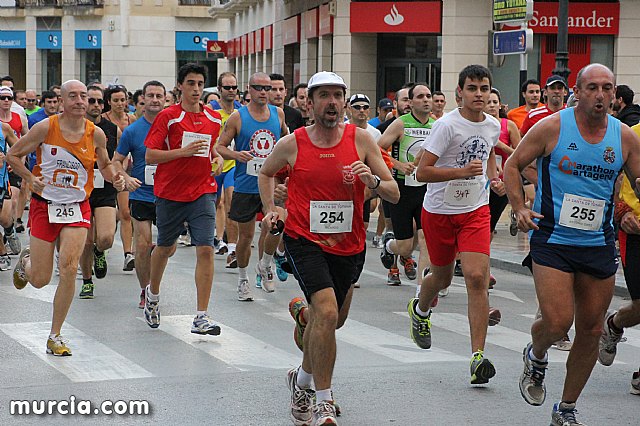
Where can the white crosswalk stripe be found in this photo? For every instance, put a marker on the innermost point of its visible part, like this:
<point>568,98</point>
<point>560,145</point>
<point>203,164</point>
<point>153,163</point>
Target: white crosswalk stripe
<point>92,361</point>
<point>44,294</point>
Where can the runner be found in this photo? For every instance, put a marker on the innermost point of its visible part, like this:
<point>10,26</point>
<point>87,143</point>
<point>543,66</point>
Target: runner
<point>62,180</point>
<point>579,153</point>
<point>530,91</point>
<point>459,164</point>
<point>331,162</point>
<point>7,139</point>
<point>181,142</point>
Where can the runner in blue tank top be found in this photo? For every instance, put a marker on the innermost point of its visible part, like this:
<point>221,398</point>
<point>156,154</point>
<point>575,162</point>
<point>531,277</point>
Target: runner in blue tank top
<point>579,153</point>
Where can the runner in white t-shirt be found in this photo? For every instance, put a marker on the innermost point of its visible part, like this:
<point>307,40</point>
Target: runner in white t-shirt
<point>459,165</point>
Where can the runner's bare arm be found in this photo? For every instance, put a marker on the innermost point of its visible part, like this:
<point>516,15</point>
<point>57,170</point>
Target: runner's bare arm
<point>392,134</point>
<point>24,146</point>
<point>25,125</point>
<point>631,154</point>
<point>131,183</point>
<point>428,172</point>
<point>284,130</point>
<point>373,164</point>
<point>230,130</point>
<point>9,136</point>
<point>283,153</point>
<point>107,169</point>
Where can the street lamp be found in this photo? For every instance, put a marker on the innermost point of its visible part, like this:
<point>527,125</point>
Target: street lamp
<point>562,51</point>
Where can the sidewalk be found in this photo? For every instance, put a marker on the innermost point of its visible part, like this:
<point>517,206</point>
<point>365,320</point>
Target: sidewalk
<point>507,252</point>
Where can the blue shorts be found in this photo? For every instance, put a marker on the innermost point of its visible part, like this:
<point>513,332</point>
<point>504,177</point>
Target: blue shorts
<point>600,262</point>
<point>200,214</point>
<point>226,180</point>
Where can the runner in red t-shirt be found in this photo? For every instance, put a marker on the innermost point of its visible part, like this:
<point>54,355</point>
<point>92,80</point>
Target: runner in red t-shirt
<point>181,142</point>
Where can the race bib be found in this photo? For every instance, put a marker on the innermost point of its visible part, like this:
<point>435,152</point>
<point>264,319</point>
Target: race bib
<point>410,180</point>
<point>64,213</point>
<point>330,217</point>
<point>581,212</point>
<point>190,137</point>
<point>150,174</point>
<point>98,179</point>
<point>254,165</point>
<point>463,192</point>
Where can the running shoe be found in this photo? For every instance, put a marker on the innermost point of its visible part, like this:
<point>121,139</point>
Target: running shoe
<point>324,413</point>
<point>563,344</point>
<point>280,272</point>
<point>481,369</point>
<point>151,312</point>
<point>492,281</point>
<point>184,240</point>
<point>222,248</point>
<point>532,385</point>
<point>494,316</point>
<point>376,242</point>
<point>58,346</point>
<point>87,291</point>
<point>336,405</point>
<point>99,263</point>
<point>420,326</point>
<point>266,278</point>
<point>244,292</point>
<point>301,400</point>
<point>129,262</point>
<point>14,243</point>
<point>202,324</point>
<point>608,342</point>
<point>19,273</point>
<point>356,284</point>
<point>410,266</point>
<point>5,262</point>
<point>232,262</point>
<point>142,299</point>
<point>258,281</point>
<point>513,225</point>
<point>393,277</point>
<point>635,383</point>
<point>564,414</point>
<point>19,224</point>
<point>444,292</point>
<point>457,270</point>
<point>296,308</point>
<point>386,257</point>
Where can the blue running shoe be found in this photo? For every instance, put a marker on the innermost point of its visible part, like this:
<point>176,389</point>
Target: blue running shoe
<point>279,261</point>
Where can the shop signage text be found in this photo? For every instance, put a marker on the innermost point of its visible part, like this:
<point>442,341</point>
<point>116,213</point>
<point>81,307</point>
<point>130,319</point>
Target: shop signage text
<point>396,17</point>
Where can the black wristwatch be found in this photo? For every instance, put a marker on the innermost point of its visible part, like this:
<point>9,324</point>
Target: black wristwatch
<point>378,180</point>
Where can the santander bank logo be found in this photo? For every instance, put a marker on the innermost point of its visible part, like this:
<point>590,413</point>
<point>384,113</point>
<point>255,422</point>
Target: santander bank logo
<point>394,17</point>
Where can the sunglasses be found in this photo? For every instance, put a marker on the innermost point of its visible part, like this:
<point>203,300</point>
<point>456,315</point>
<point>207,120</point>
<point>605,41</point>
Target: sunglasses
<point>230,87</point>
<point>261,87</point>
<point>31,100</point>
<point>6,98</point>
<point>94,100</point>
<point>360,107</point>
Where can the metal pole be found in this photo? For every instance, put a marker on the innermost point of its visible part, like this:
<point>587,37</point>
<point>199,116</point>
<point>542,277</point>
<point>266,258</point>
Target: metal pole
<point>523,68</point>
<point>562,50</point>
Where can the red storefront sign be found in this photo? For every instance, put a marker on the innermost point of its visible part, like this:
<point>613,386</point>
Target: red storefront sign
<point>268,37</point>
<point>238,49</point>
<point>243,45</point>
<point>291,30</point>
<point>584,18</point>
<point>310,19</point>
<point>396,17</point>
<point>231,49</point>
<point>325,20</point>
<point>217,48</point>
<point>252,43</point>
<point>259,44</point>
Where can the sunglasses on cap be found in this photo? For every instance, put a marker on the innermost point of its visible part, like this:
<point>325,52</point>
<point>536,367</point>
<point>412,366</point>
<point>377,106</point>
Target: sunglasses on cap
<point>230,87</point>
<point>6,98</point>
<point>94,100</point>
<point>360,107</point>
<point>261,87</point>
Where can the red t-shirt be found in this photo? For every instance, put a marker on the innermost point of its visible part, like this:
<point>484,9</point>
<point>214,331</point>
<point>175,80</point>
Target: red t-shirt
<point>183,179</point>
<point>324,175</point>
<point>533,117</point>
<point>15,123</point>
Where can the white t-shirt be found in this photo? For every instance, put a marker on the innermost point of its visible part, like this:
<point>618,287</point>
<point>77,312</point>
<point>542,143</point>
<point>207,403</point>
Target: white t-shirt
<point>456,141</point>
<point>374,132</point>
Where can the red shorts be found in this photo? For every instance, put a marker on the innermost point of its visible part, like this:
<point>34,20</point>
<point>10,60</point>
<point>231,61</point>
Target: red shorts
<point>449,234</point>
<point>42,229</point>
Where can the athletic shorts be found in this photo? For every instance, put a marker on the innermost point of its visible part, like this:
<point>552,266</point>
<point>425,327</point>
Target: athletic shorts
<point>360,259</point>
<point>226,180</point>
<point>407,211</point>
<point>39,223</point>
<point>99,198</point>
<point>497,204</point>
<point>316,269</point>
<point>366,211</point>
<point>142,210</point>
<point>599,262</point>
<point>5,194</point>
<point>386,208</point>
<point>447,235</point>
<point>200,215</point>
<point>245,207</point>
<point>14,180</point>
<point>630,255</point>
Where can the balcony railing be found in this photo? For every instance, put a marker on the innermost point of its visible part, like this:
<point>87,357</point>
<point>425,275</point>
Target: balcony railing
<point>194,3</point>
<point>59,3</point>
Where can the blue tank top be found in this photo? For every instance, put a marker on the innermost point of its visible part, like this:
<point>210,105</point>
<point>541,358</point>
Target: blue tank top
<point>576,186</point>
<point>4,174</point>
<point>258,137</point>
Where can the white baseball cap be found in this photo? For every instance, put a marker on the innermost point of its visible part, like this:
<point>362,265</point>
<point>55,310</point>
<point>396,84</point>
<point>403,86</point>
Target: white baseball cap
<point>326,78</point>
<point>6,90</point>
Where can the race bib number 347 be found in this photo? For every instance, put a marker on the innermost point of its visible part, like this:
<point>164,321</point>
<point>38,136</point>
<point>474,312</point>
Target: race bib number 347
<point>330,217</point>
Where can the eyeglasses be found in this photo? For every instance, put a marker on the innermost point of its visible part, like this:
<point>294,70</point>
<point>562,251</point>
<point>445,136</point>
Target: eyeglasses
<point>360,107</point>
<point>230,87</point>
<point>31,100</point>
<point>94,100</point>
<point>261,87</point>
<point>6,98</point>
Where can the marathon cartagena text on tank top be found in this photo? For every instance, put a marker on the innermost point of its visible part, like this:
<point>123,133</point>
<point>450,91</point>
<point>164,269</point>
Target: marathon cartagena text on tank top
<point>576,186</point>
<point>326,199</point>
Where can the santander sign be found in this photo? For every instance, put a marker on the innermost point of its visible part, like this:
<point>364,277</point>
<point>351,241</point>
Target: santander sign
<point>584,18</point>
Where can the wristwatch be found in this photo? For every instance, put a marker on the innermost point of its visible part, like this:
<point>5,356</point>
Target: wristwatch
<point>378,180</point>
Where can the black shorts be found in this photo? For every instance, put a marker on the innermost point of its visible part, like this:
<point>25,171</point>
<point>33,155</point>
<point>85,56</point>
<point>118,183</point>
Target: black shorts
<point>360,259</point>
<point>142,210</point>
<point>407,211</point>
<point>101,198</point>
<point>497,204</point>
<point>366,211</point>
<point>14,180</point>
<point>316,269</point>
<point>386,209</point>
<point>244,207</point>
<point>600,262</point>
<point>630,255</point>
<point>4,194</point>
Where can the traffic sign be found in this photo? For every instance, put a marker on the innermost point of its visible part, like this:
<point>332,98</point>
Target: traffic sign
<point>512,42</point>
<point>505,11</point>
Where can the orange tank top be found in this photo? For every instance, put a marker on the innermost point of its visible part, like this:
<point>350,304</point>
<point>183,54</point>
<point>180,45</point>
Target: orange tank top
<point>67,167</point>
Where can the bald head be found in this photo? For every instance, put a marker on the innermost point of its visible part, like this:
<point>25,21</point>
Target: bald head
<point>72,86</point>
<point>259,78</point>
<point>593,70</point>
